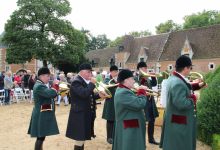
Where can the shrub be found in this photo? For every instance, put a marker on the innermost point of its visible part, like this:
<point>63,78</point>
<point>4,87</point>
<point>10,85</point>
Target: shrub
<point>208,109</point>
<point>216,142</point>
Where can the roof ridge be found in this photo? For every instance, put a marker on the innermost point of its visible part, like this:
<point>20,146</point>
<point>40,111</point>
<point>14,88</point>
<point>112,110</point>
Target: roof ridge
<point>197,28</point>
<point>165,43</point>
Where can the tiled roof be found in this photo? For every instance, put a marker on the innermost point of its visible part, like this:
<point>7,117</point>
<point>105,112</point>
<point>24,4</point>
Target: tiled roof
<point>154,45</point>
<point>102,56</point>
<point>204,42</point>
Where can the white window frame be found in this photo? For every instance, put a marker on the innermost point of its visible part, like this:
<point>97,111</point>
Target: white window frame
<point>7,68</point>
<point>141,58</point>
<point>170,67</point>
<point>209,66</point>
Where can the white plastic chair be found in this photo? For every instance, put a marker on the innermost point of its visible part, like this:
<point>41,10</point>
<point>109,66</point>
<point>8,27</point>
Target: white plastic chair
<point>27,94</point>
<point>2,97</point>
<point>18,94</point>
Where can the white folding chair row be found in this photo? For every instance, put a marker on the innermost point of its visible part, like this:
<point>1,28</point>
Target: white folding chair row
<point>18,94</point>
<point>27,94</point>
<point>2,97</point>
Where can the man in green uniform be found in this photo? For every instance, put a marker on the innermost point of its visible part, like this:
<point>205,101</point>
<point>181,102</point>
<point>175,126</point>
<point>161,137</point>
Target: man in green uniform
<point>151,111</point>
<point>43,121</point>
<point>179,127</point>
<point>109,109</point>
<point>130,123</point>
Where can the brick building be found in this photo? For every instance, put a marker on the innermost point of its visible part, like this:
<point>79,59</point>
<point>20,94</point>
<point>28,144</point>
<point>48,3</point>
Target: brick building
<point>161,51</point>
<point>34,65</point>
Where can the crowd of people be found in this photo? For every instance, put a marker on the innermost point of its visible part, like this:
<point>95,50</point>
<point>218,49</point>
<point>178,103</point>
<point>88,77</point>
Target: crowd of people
<point>25,80</point>
<point>128,111</point>
<point>20,80</point>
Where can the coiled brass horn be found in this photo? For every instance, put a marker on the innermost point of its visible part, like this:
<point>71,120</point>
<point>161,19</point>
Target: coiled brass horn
<point>110,84</point>
<point>144,74</point>
<point>149,92</point>
<point>63,88</point>
<point>101,87</point>
<point>195,75</point>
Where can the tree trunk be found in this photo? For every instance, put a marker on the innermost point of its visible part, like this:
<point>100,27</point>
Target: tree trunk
<point>45,63</point>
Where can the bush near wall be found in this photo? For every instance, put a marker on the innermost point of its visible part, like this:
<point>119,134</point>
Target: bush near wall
<point>216,142</point>
<point>208,109</point>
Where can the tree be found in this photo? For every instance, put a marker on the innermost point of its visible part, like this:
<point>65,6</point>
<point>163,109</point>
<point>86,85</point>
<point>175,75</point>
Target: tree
<point>140,34</point>
<point>71,67</point>
<point>201,19</point>
<point>93,43</point>
<point>1,36</point>
<point>37,30</point>
<point>168,26</point>
<point>88,37</point>
<point>102,41</point>
<point>118,40</point>
<point>208,111</point>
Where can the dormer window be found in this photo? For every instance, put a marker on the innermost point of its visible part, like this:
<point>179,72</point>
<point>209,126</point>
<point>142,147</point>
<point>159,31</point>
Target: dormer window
<point>7,68</point>
<point>93,63</point>
<point>141,59</point>
<point>111,62</point>
<point>120,48</point>
<point>187,49</point>
<point>170,67</point>
<point>211,66</point>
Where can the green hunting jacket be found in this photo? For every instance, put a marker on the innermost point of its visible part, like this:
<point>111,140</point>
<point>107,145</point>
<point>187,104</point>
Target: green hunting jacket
<point>43,123</point>
<point>179,127</point>
<point>109,109</point>
<point>151,111</point>
<point>130,124</point>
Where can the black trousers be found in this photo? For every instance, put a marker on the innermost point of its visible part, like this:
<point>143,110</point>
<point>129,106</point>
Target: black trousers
<point>92,128</point>
<point>150,130</point>
<point>39,143</point>
<point>110,128</point>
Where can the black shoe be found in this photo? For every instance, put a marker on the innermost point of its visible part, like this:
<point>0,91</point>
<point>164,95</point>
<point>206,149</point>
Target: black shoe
<point>154,142</point>
<point>78,147</point>
<point>110,140</point>
<point>93,135</point>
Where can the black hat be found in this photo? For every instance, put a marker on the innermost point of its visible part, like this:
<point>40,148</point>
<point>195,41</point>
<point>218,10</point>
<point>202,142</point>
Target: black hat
<point>183,61</point>
<point>141,64</point>
<point>43,70</point>
<point>124,74</point>
<point>114,68</point>
<point>85,66</point>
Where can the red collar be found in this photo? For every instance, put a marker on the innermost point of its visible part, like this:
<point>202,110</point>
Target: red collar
<point>123,86</point>
<point>179,76</point>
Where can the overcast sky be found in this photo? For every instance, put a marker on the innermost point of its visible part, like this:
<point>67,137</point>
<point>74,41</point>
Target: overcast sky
<point>118,17</point>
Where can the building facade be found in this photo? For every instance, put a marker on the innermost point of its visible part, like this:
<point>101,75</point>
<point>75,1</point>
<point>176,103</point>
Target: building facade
<point>33,65</point>
<point>161,51</point>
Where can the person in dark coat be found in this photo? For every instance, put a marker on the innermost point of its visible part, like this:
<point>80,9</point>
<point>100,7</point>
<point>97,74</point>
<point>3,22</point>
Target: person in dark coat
<point>2,76</point>
<point>31,81</point>
<point>25,79</point>
<point>109,109</point>
<point>79,127</point>
<point>151,111</point>
<point>43,121</point>
<point>130,124</point>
